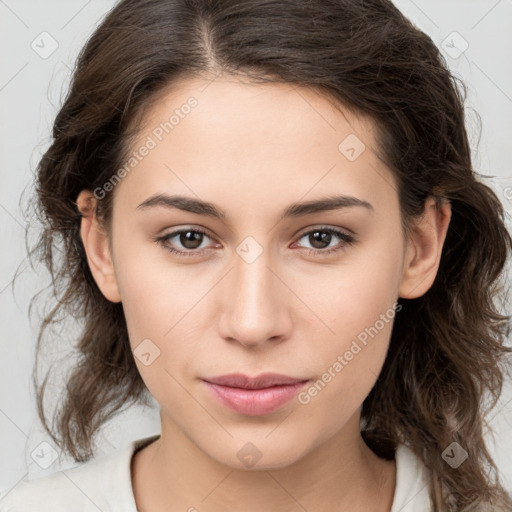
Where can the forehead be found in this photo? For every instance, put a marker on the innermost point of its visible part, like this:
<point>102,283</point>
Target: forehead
<point>245,110</point>
<point>257,141</point>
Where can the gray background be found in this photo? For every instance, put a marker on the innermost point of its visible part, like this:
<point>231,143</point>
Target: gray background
<point>32,86</point>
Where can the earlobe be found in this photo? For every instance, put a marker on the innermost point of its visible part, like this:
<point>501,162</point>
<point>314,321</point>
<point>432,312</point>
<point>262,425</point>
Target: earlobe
<point>96,245</point>
<point>423,251</point>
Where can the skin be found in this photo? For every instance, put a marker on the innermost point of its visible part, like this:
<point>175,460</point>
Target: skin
<point>252,150</point>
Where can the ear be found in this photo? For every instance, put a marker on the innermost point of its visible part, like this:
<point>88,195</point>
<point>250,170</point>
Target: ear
<point>96,244</point>
<point>423,251</point>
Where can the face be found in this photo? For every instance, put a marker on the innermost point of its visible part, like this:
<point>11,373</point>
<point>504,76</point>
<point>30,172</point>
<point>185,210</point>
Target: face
<point>260,287</point>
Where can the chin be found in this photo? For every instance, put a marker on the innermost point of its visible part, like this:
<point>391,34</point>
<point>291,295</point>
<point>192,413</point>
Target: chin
<point>256,454</point>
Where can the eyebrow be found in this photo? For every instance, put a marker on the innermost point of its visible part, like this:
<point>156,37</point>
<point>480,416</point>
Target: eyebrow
<point>189,204</point>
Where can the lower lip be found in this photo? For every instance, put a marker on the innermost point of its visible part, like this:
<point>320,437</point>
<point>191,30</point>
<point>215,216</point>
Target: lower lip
<point>254,402</point>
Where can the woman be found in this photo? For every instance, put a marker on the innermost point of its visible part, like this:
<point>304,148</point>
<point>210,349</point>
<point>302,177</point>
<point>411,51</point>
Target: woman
<point>271,224</point>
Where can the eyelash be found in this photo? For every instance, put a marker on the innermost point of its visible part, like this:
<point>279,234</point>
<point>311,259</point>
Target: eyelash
<point>347,239</point>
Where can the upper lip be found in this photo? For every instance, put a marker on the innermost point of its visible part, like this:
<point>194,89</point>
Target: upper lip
<point>264,380</point>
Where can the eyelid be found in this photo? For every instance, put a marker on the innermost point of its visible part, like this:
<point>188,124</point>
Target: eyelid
<point>177,230</point>
<point>326,227</point>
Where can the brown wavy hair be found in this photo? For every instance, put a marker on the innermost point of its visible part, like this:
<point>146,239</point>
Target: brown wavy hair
<point>448,347</point>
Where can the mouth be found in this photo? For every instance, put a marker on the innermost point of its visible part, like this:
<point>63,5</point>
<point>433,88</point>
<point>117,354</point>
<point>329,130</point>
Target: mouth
<point>254,396</point>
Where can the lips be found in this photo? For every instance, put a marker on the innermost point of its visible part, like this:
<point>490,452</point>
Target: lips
<point>253,396</point>
<point>265,380</point>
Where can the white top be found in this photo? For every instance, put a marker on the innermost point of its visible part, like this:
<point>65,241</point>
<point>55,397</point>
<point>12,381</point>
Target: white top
<point>104,484</point>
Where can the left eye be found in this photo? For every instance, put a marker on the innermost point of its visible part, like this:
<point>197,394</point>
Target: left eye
<point>320,238</point>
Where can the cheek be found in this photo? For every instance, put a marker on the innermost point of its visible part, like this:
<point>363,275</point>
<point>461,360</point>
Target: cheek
<point>349,369</point>
<point>156,317</point>
<point>359,305</point>
<point>352,296</point>
<point>156,294</point>
<point>153,302</point>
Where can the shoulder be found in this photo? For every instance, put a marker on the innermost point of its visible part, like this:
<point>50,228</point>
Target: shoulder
<point>100,484</point>
<point>411,488</point>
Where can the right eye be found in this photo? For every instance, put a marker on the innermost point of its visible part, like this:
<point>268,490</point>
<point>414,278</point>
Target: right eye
<point>190,239</point>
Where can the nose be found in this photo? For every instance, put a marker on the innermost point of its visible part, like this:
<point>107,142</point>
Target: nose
<point>255,304</point>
